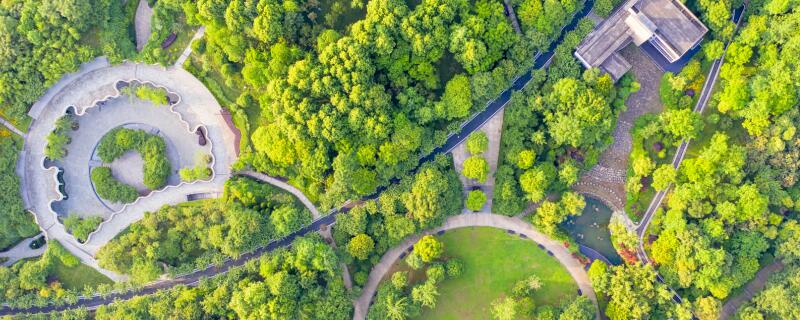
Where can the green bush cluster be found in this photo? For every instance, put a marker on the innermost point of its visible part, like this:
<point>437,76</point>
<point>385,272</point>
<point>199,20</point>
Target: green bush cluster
<point>81,227</point>
<point>110,188</point>
<point>58,140</point>
<point>151,147</point>
<point>17,222</point>
<point>157,96</point>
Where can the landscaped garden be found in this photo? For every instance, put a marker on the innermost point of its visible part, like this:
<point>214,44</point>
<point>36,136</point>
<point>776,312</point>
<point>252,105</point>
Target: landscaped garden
<point>493,264</point>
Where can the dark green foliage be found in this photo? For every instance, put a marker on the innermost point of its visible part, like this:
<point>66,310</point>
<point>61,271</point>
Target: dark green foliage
<point>15,222</point>
<point>417,203</point>
<point>340,113</point>
<point>302,282</point>
<point>42,40</point>
<point>109,188</point>
<point>777,300</point>
<point>248,215</point>
<point>152,149</point>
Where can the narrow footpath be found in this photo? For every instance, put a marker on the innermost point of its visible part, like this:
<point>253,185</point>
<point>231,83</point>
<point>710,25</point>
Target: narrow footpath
<point>188,51</point>
<point>11,127</point>
<point>573,266</point>
<point>750,290</point>
<point>285,186</point>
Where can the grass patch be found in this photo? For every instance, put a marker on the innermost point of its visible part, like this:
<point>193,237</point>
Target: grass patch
<point>77,277</point>
<point>493,262</point>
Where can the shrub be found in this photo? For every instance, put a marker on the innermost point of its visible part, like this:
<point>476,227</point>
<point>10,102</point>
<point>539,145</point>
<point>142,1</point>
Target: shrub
<point>476,168</point>
<point>475,200</point>
<point>428,248</point>
<point>110,189</point>
<point>151,147</point>
<point>477,143</point>
<point>454,268</point>
<point>59,138</point>
<point>195,173</point>
<point>80,227</point>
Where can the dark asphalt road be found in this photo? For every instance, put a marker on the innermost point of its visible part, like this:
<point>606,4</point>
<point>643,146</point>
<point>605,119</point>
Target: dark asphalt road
<point>453,140</point>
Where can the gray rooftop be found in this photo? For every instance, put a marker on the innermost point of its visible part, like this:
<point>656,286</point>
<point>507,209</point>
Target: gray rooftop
<point>668,24</point>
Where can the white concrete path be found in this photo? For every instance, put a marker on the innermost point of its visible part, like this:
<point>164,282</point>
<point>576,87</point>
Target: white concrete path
<point>11,127</point>
<point>573,266</point>
<point>22,251</point>
<point>188,51</point>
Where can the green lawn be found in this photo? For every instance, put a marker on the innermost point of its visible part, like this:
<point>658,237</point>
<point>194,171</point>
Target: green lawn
<point>493,262</point>
<point>77,277</point>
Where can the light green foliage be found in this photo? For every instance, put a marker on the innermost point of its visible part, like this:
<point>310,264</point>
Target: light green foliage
<point>776,300</point>
<point>713,49</point>
<point>58,140</point>
<point>156,95</point>
<point>400,280</point>
<point>663,176</point>
<point>110,188</point>
<point>504,309</point>
<point>477,142</point>
<point>81,227</point>
<point>152,149</point>
<point>457,98</point>
<point>475,200</point>
<point>476,167</point>
<point>55,276</point>
<point>556,127</point>
<point>248,215</point>
<point>428,248</point>
<point>360,246</point>
<point>550,214</point>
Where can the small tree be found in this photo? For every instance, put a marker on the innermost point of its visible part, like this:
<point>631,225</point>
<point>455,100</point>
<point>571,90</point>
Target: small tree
<point>476,168</point>
<point>475,200</point>
<point>428,248</point>
<point>663,176</point>
<point>504,309</point>
<point>400,280</point>
<point>477,143</point>
<point>360,246</point>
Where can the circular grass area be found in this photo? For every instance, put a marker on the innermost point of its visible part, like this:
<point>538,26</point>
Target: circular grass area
<point>493,262</point>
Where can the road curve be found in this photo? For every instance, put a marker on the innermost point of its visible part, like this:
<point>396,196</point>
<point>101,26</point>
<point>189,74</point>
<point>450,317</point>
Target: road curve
<point>573,266</point>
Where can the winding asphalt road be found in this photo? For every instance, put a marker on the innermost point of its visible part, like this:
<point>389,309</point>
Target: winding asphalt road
<point>193,278</point>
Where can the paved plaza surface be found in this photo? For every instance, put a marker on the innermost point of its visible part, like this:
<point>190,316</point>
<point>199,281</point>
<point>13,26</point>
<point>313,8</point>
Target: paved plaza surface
<point>95,82</point>
<point>493,129</point>
<point>132,113</point>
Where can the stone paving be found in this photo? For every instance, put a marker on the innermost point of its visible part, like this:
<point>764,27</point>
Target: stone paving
<point>573,266</point>
<point>493,129</point>
<point>606,180</point>
<point>97,82</point>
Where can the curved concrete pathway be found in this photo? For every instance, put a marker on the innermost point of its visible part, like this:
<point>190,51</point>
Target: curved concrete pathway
<point>22,251</point>
<point>575,268</point>
<point>97,82</point>
<point>285,186</point>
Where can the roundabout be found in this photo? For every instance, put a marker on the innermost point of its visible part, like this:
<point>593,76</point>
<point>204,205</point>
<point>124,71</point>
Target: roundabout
<point>190,123</point>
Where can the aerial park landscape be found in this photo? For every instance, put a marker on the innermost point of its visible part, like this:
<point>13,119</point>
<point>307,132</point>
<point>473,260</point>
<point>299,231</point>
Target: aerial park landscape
<point>391,159</point>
